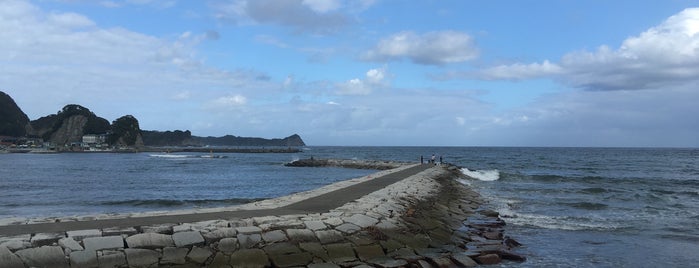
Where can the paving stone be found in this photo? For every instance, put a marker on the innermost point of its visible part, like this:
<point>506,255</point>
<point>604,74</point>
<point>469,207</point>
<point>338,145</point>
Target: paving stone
<point>150,241</point>
<point>141,257</point>
<point>83,259</point>
<point>184,239</point>
<point>111,259</point>
<point>340,252</point>
<point>291,260</point>
<point>464,260</point>
<point>249,230</point>
<point>80,234</point>
<point>70,243</point>
<point>361,220</point>
<point>249,258</point>
<point>199,255</point>
<point>172,255</point>
<point>228,245</point>
<point>301,235</point>
<point>100,243</point>
<point>9,259</point>
<point>46,256</point>
<point>220,260</point>
<point>386,262</point>
<point>329,236</point>
<point>249,240</point>
<point>46,239</point>
<point>369,252</point>
<point>348,228</point>
<point>128,231</point>
<point>315,225</point>
<point>274,236</point>
<point>316,249</point>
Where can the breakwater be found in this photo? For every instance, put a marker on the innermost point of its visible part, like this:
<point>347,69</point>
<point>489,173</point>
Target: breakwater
<point>427,219</point>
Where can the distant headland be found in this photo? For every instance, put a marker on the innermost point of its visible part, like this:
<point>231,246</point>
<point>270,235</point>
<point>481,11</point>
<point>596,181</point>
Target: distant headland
<point>77,129</point>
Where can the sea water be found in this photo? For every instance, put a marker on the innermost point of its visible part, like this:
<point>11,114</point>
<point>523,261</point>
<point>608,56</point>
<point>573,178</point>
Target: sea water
<point>570,207</point>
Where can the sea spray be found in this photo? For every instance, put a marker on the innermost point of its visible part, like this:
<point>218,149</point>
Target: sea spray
<point>483,175</point>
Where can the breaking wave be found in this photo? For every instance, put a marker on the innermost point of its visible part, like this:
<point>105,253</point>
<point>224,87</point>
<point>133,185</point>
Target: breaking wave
<point>483,175</point>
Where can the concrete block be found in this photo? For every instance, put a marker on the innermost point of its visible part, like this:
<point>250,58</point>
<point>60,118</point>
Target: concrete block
<point>101,243</point>
<point>291,260</point>
<point>183,239</point>
<point>361,220</point>
<point>9,259</point>
<point>369,252</point>
<point>70,243</point>
<point>249,230</point>
<point>340,252</point>
<point>386,262</point>
<point>249,258</point>
<point>129,231</point>
<point>316,249</point>
<point>220,260</point>
<point>281,249</point>
<point>83,259</point>
<point>315,225</point>
<point>329,236</point>
<point>333,221</point>
<point>463,260</point>
<point>274,236</point>
<point>249,240</point>
<point>46,256</point>
<point>173,255</point>
<point>137,257</point>
<point>218,234</point>
<point>228,245</point>
<point>199,255</point>
<point>46,239</point>
<point>111,259</point>
<point>301,235</point>
<point>348,228</point>
<point>80,234</point>
<point>150,241</point>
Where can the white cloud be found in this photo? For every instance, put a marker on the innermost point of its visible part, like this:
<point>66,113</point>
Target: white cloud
<point>231,101</point>
<point>432,48</point>
<point>374,78</point>
<point>323,6</point>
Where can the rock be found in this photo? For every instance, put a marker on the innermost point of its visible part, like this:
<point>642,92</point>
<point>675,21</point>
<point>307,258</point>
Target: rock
<point>281,249</point>
<point>249,240</point>
<point>348,228</point>
<point>184,239</point>
<point>111,259</point>
<point>291,260</point>
<point>315,225</point>
<point>390,245</point>
<point>141,257</point>
<point>116,231</point>
<point>369,252</point>
<point>316,249</point>
<point>9,259</point>
<point>330,236</point>
<point>249,230</point>
<point>386,262</point>
<point>489,213</point>
<point>218,234</point>
<point>249,258</point>
<point>333,221</point>
<point>488,259</point>
<point>507,255</point>
<point>150,241</point>
<point>199,255</point>
<point>100,243</point>
<point>442,262</point>
<point>340,252</point>
<point>83,259</point>
<point>424,264</point>
<point>69,243</point>
<point>323,265</point>
<point>274,236</point>
<point>45,239</point>
<point>361,220</point>
<point>80,234</point>
<point>173,255</point>
<point>159,229</point>
<point>228,245</point>
<point>463,260</point>
<point>15,245</point>
<point>301,235</point>
<point>493,235</point>
<point>220,260</point>
<point>46,256</point>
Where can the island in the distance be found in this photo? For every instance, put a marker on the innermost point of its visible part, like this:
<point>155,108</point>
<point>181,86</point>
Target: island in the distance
<point>77,129</point>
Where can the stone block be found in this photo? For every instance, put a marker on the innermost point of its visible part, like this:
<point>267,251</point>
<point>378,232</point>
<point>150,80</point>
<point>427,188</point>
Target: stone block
<point>463,260</point>
<point>228,245</point>
<point>218,234</point>
<point>46,256</point>
<point>274,236</point>
<point>316,249</point>
<point>249,230</point>
<point>79,235</point>
<point>69,243</point>
<point>386,262</point>
<point>158,229</point>
<point>348,228</point>
<point>116,231</point>
<point>111,259</point>
<point>9,259</point>
<point>301,235</point>
<point>329,236</point>
<point>315,225</point>
<point>361,220</point>
<point>333,221</point>
<point>150,241</point>
<point>220,260</point>
<point>424,264</point>
<point>249,240</point>
<point>340,252</point>
<point>137,257</point>
<point>249,258</point>
<point>184,239</point>
<point>101,243</point>
<point>488,259</point>
<point>199,255</point>
<point>291,260</point>
<point>83,259</point>
<point>173,255</point>
<point>323,265</point>
<point>281,249</point>
<point>369,252</point>
<point>390,245</point>
<point>46,239</point>
<point>16,244</point>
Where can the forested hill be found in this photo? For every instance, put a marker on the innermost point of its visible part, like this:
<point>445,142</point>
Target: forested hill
<point>185,138</point>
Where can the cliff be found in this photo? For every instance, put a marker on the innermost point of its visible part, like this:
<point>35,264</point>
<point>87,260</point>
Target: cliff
<point>13,121</point>
<point>69,125</point>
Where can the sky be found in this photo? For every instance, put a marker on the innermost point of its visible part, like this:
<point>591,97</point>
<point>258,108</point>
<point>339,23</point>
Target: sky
<point>367,72</point>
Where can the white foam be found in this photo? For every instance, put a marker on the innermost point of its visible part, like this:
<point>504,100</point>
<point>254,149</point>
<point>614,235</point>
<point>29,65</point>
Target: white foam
<point>483,175</point>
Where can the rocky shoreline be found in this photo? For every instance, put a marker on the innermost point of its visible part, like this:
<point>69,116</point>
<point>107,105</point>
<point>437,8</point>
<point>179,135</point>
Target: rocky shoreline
<point>426,220</point>
<point>346,163</point>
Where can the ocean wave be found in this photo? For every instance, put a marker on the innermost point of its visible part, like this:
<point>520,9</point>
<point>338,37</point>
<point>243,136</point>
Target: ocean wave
<point>178,203</point>
<point>567,223</point>
<point>483,175</point>
<point>587,205</point>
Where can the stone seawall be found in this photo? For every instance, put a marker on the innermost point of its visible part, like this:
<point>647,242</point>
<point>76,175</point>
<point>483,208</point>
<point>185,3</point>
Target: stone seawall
<point>426,220</point>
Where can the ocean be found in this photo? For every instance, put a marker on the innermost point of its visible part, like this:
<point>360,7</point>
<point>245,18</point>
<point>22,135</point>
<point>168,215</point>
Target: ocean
<point>569,207</point>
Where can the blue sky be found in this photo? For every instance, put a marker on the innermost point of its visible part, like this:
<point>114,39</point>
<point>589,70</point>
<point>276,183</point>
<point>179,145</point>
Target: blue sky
<point>367,72</point>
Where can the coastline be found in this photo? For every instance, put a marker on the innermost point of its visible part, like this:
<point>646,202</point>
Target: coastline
<point>426,218</point>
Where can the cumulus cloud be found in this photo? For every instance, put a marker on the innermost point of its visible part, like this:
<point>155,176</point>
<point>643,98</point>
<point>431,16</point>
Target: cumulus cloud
<point>667,54</point>
<point>303,16</point>
<point>431,48</point>
<point>374,78</point>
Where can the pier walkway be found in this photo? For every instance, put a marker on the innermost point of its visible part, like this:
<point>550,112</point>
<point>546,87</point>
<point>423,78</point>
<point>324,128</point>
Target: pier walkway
<point>317,204</point>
